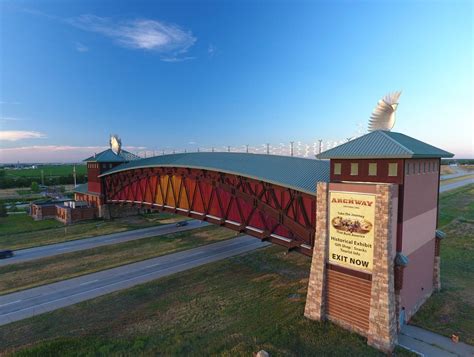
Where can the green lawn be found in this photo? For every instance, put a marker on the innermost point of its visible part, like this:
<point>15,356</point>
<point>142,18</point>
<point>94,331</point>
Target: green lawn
<point>20,231</point>
<point>230,308</point>
<point>12,225</point>
<point>452,310</point>
<point>65,266</point>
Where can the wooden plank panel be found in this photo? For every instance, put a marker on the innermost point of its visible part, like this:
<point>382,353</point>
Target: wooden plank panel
<point>348,298</point>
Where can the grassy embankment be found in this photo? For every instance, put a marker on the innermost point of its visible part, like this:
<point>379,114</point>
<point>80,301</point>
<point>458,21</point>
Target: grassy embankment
<point>446,170</point>
<point>452,310</point>
<point>20,231</point>
<point>65,266</point>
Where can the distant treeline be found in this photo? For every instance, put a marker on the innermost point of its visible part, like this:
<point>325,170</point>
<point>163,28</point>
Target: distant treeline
<point>7,181</point>
<point>457,161</point>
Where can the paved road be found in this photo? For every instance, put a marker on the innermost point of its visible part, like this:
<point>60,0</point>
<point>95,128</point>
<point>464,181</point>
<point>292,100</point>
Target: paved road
<point>35,301</point>
<point>452,186</point>
<point>429,344</point>
<point>24,255</point>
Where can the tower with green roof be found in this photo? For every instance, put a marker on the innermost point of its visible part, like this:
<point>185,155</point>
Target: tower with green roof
<point>402,174</point>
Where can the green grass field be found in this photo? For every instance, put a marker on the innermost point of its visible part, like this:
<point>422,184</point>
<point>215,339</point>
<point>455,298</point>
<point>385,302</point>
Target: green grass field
<point>229,308</point>
<point>452,309</point>
<point>48,171</point>
<point>65,266</point>
<point>21,231</point>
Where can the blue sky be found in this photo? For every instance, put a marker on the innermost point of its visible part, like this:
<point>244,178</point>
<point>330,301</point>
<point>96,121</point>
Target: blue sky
<point>181,74</point>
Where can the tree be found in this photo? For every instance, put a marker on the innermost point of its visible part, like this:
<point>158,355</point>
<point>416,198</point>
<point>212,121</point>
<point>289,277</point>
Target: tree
<point>35,187</point>
<point>3,210</point>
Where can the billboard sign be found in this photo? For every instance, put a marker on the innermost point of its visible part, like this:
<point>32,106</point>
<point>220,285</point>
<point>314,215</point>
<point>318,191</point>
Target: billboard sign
<point>351,230</point>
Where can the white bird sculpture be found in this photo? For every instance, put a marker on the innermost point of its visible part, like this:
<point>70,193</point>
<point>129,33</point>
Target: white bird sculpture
<point>115,144</point>
<point>383,115</point>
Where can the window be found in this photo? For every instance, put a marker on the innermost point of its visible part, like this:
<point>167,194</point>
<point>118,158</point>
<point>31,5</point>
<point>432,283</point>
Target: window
<point>393,169</point>
<point>424,167</point>
<point>354,169</point>
<point>337,169</point>
<point>372,169</point>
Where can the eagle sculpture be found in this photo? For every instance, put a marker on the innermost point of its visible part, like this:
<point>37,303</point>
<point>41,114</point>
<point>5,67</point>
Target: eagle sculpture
<point>383,115</point>
<point>115,144</point>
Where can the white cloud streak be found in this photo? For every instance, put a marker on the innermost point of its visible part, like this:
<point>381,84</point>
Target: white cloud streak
<point>15,135</point>
<point>10,119</point>
<point>167,39</point>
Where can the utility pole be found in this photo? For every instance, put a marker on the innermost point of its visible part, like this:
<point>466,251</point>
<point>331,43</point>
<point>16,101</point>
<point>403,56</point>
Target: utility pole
<point>74,175</point>
<point>247,148</point>
<point>268,149</point>
<point>291,147</point>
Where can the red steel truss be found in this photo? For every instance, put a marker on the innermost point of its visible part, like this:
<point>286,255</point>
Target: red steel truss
<point>269,212</point>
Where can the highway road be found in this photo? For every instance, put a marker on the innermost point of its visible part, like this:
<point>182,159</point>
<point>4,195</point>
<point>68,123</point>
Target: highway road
<point>35,301</point>
<point>24,255</point>
<point>452,186</point>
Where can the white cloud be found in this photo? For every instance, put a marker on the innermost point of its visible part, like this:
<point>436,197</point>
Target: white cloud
<point>211,50</point>
<point>167,39</point>
<point>10,119</point>
<point>15,135</point>
<point>53,153</point>
<point>81,47</point>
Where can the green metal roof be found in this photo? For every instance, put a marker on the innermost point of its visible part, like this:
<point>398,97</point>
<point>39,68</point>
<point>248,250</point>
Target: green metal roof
<point>297,173</point>
<point>82,188</point>
<point>381,144</point>
<point>109,156</point>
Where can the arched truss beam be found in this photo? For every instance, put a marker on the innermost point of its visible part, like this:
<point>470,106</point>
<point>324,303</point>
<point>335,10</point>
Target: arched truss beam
<point>280,215</point>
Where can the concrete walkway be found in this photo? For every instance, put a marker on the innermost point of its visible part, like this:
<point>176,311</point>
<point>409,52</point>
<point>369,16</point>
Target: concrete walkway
<point>49,250</point>
<point>429,344</point>
<point>35,301</point>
